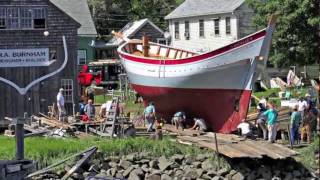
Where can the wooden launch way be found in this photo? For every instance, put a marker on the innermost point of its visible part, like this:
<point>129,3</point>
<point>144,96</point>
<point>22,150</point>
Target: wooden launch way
<point>232,146</point>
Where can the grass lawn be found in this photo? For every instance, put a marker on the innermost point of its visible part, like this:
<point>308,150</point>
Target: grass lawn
<point>306,155</point>
<point>49,150</point>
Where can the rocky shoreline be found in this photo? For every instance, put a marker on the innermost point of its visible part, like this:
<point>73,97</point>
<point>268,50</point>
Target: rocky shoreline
<point>138,166</point>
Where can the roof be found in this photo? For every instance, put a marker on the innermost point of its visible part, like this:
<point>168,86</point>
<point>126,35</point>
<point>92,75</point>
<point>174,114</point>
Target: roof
<point>191,8</point>
<point>131,28</point>
<point>79,11</point>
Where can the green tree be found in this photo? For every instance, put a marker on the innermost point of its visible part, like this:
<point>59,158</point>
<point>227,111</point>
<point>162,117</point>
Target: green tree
<point>111,15</point>
<point>296,39</point>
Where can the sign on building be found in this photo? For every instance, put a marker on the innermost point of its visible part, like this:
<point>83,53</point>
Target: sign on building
<point>24,57</point>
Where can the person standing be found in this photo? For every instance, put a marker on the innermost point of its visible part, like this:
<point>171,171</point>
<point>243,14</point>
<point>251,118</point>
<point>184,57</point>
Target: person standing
<point>150,115</point>
<point>307,126</point>
<point>302,106</point>
<point>60,104</point>
<point>271,115</point>
<point>295,121</point>
<point>290,77</point>
<point>90,110</point>
<point>262,121</point>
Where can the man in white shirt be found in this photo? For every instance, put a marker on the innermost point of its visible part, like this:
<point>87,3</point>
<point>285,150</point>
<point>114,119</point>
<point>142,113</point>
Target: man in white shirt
<point>105,108</point>
<point>302,106</point>
<point>290,77</point>
<point>200,124</point>
<point>60,104</point>
<point>244,128</point>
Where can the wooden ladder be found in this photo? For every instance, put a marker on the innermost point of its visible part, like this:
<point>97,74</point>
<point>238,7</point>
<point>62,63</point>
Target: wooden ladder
<point>112,116</point>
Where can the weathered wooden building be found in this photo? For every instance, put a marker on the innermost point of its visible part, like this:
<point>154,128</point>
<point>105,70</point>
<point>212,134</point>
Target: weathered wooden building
<point>30,29</point>
<point>204,25</point>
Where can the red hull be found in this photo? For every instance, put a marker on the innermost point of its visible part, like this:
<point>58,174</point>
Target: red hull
<point>216,106</point>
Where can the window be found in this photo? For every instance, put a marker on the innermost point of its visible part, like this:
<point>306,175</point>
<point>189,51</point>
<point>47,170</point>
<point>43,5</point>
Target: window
<point>187,30</point>
<point>162,41</point>
<point>228,26</point>
<point>176,30</point>
<point>23,18</point>
<point>82,57</point>
<point>26,18</point>
<point>13,18</point>
<point>216,26</point>
<point>39,18</point>
<point>67,85</point>
<point>201,28</point>
<point>2,18</point>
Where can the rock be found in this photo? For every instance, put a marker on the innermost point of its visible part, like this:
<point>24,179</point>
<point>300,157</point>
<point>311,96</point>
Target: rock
<point>296,173</point>
<point>222,172</point>
<point>211,173</point>
<point>143,161</point>
<point>134,176</point>
<point>153,164</point>
<point>155,171</point>
<point>86,174</point>
<point>125,164</point>
<point>101,175</point>
<point>165,177</point>
<point>174,165</point>
<point>111,172</point>
<point>104,165</point>
<point>205,176</point>
<point>177,158</point>
<point>130,157</point>
<point>163,163</point>
<point>217,178</point>
<point>145,168</point>
<point>199,172</point>
<point>113,164</point>
<point>127,172</point>
<point>196,164</point>
<point>77,176</point>
<point>153,177</point>
<point>238,176</point>
<point>207,165</point>
<point>119,175</point>
<point>138,171</point>
<point>192,173</point>
<point>201,157</point>
<point>178,173</point>
<point>188,160</point>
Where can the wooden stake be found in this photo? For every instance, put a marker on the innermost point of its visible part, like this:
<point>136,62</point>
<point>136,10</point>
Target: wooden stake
<point>217,150</point>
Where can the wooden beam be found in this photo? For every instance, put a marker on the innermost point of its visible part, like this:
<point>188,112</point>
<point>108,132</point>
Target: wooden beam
<point>86,156</point>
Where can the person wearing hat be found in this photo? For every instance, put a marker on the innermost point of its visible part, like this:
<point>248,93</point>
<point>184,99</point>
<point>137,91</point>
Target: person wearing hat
<point>60,104</point>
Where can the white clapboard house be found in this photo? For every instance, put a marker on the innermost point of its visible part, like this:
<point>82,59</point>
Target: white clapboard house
<point>203,25</point>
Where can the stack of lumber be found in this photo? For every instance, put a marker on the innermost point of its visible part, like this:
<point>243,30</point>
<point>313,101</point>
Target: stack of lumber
<point>232,146</point>
<point>283,115</point>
